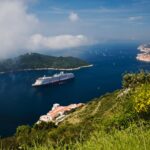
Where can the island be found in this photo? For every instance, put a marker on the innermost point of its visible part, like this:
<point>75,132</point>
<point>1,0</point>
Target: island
<point>145,53</point>
<point>36,61</point>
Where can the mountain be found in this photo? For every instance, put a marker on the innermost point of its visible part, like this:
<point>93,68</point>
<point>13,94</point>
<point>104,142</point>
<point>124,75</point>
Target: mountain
<point>39,61</point>
<point>119,120</point>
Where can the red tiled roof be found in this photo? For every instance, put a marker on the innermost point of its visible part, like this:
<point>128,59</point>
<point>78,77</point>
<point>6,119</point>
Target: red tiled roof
<point>61,109</point>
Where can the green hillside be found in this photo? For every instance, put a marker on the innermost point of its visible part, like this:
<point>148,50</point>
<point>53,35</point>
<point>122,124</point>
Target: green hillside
<point>35,61</point>
<point>118,120</point>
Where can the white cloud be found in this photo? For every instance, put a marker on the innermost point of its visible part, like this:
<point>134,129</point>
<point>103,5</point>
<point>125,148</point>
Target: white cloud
<point>22,1</point>
<point>57,42</point>
<point>19,28</point>
<point>73,17</point>
<point>16,25</point>
<point>135,18</point>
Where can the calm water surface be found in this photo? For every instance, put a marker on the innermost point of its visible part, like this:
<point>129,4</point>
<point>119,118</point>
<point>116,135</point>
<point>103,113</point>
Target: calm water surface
<point>22,104</point>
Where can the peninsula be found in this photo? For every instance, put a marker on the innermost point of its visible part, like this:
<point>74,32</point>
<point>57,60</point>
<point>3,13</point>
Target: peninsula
<point>59,113</point>
<point>145,53</point>
<point>36,61</point>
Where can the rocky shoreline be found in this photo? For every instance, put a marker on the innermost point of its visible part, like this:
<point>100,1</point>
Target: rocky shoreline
<point>58,113</point>
<point>143,57</point>
<point>145,53</point>
<point>59,69</point>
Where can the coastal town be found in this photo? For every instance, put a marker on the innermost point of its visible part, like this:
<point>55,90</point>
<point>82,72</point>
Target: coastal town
<point>145,53</point>
<point>58,113</point>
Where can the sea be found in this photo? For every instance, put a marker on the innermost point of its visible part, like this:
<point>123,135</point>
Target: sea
<point>22,104</point>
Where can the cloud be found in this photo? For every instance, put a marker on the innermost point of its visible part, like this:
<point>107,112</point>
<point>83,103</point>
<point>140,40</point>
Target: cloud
<point>16,25</point>
<point>19,28</point>
<point>59,42</point>
<point>22,1</point>
<point>73,17</point>
<point>135,18</point>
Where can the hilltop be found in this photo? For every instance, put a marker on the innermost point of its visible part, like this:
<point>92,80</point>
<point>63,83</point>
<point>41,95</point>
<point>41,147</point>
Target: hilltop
<point>119,120</point>
<point>36,61</point>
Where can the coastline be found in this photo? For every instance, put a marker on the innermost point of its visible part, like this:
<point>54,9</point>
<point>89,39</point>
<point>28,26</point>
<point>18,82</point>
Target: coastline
<point>59,69</point>
<point>144,55</point>
<point>143,48</point>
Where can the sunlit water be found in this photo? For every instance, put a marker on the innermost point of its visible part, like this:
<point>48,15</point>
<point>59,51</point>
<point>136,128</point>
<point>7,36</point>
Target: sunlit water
<point>20,103</point>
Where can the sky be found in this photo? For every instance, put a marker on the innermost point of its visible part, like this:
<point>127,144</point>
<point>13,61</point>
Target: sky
<point>55,25</point>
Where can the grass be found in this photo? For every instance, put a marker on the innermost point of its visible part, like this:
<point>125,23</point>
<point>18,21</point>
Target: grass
<point>133,138</point>
<point>109,122</point>
<point>119,140</point>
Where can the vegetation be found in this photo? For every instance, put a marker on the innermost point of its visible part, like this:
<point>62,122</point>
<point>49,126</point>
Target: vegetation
<point>118,120</point>
<point>35,60</point>
<point>132,80</point>
<point>141,98</point>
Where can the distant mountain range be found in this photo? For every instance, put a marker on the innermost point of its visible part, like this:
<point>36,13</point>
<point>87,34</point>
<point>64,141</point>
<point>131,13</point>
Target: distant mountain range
<point>35,61</point>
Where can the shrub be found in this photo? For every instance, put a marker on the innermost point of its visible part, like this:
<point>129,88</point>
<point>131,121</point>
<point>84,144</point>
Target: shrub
<point>132,80</point>
<point>23,130</point>
<point>141,99</point>
<point>45,126</point>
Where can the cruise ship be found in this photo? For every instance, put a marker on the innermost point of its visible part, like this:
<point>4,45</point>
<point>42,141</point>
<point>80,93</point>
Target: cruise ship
<point>56,78</point>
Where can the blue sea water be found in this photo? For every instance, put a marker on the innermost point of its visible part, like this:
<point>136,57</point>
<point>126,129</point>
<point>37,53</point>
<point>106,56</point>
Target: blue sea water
<point>22,104</point>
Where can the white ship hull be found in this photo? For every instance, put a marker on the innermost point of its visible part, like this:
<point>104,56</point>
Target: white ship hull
<point>53,80</point>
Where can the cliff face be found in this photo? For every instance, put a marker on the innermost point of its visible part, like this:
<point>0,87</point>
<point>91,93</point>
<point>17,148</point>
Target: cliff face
<point>111,121</point>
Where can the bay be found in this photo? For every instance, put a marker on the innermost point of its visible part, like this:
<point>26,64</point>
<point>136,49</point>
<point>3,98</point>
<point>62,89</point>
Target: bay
<point>20,103</point>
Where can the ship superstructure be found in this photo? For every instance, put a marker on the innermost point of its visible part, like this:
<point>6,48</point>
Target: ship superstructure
<point>56,78</point>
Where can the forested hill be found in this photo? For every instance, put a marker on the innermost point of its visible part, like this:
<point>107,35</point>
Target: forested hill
<point>39,61</point>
